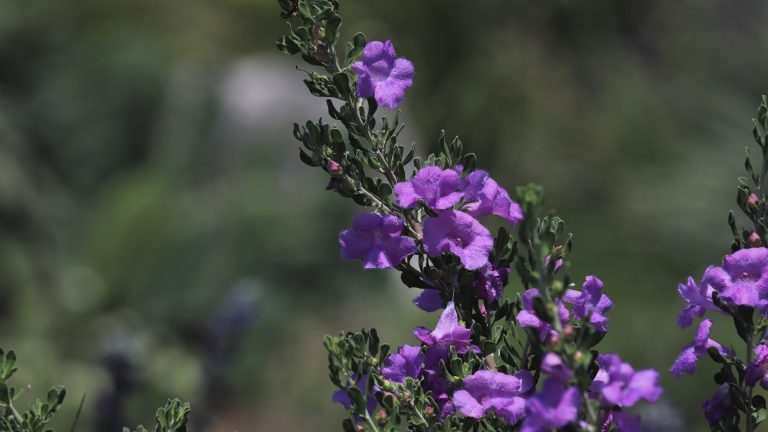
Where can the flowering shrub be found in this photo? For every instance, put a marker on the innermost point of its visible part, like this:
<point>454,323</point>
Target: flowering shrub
<point>527,360</point>
<point>737,289</point>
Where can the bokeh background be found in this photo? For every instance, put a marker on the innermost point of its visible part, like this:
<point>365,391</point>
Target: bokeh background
<point>159,236</point>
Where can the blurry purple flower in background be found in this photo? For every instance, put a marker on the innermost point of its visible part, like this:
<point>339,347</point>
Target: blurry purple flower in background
<point>489,391</point>
<point>407,362</point>
<point>460,234</point>
<point>483,196</point>
<point>439,188</point>
<point>619,384</point>
<point>527,316</point>
<point>719,406</point>
<point>686,361</point>
<point>552,364</point>
<point>590,303</point>
<point>382,75</point>
<point>429,300</point>
<point>377,240</point>
<point>622,421</point>
<point>698,299</point>
<point>743,278</point>
<point>552,408</point>
<point>757,371</point>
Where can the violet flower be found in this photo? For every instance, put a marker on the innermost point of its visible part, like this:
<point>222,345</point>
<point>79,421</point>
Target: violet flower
<point>406,362</point>
<point>686,361</point>
<point>341,397</point>
<point>719,407</point>
<point>447,333</point>
<point>488,391</point>
<point>552,408</point>
<point>743,278</point>
<point>382,75</point>
<point>429,300</point>
<point>552,364</point>
<point>698,299</point>
<point>590,303</point>
<point>527,316</point>
<point>618,384</point>
<point>757,371</point>
<point>377,240</point>
<point>489,283</point>
<point>438,188</point>
<point>460,234</point>
<point>622,422</point>
<point>483,196</point>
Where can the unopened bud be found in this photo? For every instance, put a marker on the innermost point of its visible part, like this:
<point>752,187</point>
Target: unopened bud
<point>359,427</point>
<point>753,239</point>
<point>568,331</point>
<point>753,200</point>
<point>321,52</point>
<point>318,32</point>
<point>578,356</point>
<point>382,416</point>
<point>554,338</point>
<point>407,395</point>
<point>429,411</point>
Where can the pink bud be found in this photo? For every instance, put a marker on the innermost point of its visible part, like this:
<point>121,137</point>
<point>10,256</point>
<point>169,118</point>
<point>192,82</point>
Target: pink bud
<point>753,239</point>
<point>753,199</point>
<point>333,167</point>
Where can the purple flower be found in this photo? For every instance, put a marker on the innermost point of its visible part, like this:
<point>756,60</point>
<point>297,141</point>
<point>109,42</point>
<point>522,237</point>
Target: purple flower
<point>377,240</point>
<point>489,283</point>
<point>552,364</point>
<point>341,396</point>
<point>407,362</point>
<point>758,369</point>
<point>698,299</point>
<point>447,333</point>
<point>488,391</point>
<point>619,384</point>
<point>743,278</point>
<point>382,75</point>
<point>622,421</point>
<point>439,188</point>
<point>429,300</point>
<point>527,316</point>
<point>719,407</point>
<point>558,263</point>
<point>460,234</point>
<point>554,407</point>
<point>686,361</point>
<point>590,302</point>
<point>483,196</point>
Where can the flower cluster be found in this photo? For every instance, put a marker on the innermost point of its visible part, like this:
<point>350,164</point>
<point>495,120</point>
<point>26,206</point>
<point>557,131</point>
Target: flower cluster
<point>497,359</point>
<point>738,289</point>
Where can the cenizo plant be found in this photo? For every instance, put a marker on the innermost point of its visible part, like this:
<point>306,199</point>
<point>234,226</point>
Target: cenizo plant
<point>737,289</point>
<point>523,360</point>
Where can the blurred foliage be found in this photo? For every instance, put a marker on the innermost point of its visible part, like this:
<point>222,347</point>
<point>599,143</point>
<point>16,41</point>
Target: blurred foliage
<point>155,221</point>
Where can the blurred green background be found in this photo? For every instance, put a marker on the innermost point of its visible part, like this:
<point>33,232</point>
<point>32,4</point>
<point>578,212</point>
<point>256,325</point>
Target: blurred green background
<point>159,236</point>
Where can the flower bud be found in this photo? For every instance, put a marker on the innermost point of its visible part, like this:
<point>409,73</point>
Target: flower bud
<point>359,427</point>
<point>318,32</point>
<point>333,167</point>
<point>753,239</point>
<point>554,338</point>
<point>753,200</point>
<point>578,356</point>
<point>321,52</point>
<point>381,416</point>
<point>568,331</point>
<point>429,411</point>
